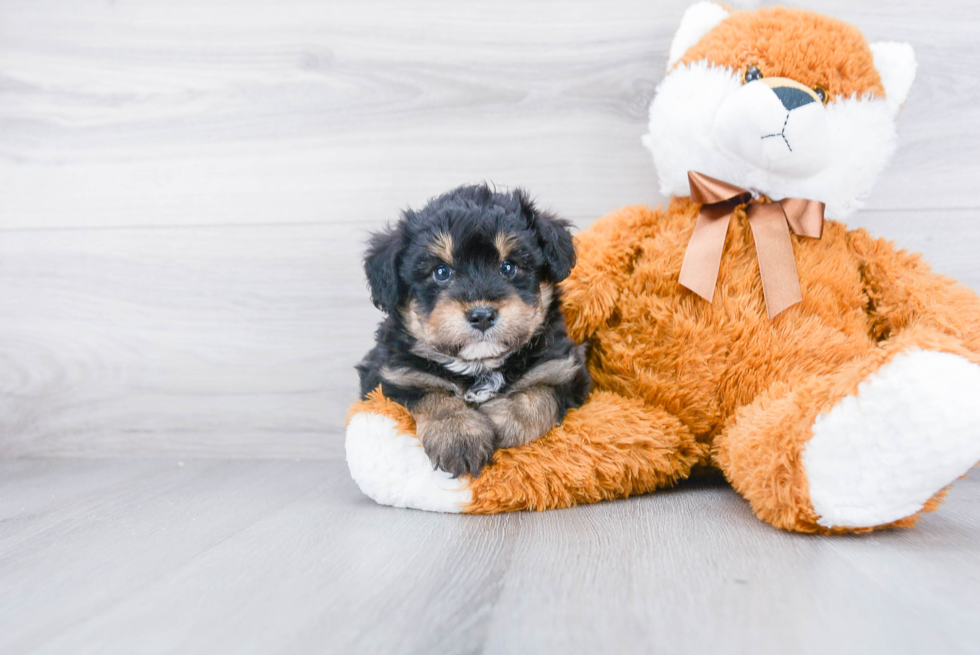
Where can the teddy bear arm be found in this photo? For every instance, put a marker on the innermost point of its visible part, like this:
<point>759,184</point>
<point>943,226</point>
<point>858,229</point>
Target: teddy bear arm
<point>605,253</point>
<point>611,447</point>
<point>906,295</point>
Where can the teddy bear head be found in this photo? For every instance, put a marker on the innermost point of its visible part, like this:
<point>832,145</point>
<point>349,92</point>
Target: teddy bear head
<point>783,102</point>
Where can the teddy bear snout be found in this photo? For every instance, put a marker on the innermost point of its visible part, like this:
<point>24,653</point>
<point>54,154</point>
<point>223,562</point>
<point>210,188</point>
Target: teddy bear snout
<point>792,98</point>
<point>777,127</point>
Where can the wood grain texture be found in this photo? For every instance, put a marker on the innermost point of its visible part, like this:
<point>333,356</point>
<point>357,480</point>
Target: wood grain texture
<point>144,112</point>
<point>152,556</point>
<point>194,341</point>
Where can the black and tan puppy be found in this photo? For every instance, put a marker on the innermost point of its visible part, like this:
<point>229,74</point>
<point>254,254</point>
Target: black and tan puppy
<point>474,343</point>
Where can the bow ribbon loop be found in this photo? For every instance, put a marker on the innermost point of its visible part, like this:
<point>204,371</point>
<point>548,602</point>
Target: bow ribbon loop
<point>770,222</point>
<point>709,191</point>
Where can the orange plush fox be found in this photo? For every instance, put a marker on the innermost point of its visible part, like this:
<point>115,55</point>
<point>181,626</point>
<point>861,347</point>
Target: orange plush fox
<point>834,380</point>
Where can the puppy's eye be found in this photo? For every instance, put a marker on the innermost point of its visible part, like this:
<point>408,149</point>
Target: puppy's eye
<point>508,269</point>
<point>752,73</point>
<point>442,274</point>
<point>821,93</point>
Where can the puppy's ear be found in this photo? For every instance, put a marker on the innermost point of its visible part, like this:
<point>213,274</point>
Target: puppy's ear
<point>381,266</point>
<point>553,237</point>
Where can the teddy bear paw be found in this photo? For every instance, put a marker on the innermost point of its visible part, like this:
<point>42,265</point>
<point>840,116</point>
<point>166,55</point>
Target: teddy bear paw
<point>912,429</point>
<point>391,468</point>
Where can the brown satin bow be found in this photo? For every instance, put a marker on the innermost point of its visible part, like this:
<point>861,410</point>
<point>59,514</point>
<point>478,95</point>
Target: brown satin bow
<point>773,245</point>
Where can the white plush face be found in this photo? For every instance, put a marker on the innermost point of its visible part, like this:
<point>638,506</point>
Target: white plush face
<point>772,135</point>
<point>781,129</point>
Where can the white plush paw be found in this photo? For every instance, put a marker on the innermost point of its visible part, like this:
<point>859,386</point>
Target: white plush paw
<point>392,469</point>
<point>911,430</point>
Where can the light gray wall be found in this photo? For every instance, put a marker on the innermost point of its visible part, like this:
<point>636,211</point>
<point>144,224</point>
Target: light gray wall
<point>185,187</point>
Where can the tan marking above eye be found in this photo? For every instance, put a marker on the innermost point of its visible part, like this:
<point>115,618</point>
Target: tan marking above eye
<point>442,247</point>
<point>505,244</point>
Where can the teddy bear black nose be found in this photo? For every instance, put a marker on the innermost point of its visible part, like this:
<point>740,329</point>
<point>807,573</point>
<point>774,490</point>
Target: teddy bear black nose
<point>482,318</point>
<point>792,97</point>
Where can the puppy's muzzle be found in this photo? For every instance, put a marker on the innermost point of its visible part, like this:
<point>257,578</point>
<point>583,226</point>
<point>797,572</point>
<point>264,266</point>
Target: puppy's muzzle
<point>482,317</point>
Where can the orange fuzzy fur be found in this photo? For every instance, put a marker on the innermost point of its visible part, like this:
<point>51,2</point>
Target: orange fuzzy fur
<point>611,447</point>
<point>804,46</point>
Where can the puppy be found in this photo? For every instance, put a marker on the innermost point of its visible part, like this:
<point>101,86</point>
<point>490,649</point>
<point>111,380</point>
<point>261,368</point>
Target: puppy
<point>474,342</point>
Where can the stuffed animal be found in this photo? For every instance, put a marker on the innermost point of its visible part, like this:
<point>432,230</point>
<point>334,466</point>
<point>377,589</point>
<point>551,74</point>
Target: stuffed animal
<point>833,379</point>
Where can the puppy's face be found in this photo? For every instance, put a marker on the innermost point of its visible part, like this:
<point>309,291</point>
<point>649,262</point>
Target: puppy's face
<point>473,272</point>
<point>476,291</point>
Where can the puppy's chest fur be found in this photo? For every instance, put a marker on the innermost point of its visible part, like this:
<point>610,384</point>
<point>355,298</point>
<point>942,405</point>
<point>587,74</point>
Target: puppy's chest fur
<point>475,381</point>
<point>487,377</point>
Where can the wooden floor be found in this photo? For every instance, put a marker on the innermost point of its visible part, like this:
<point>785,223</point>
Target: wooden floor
<point>185,190</point>
<point>280,556</point>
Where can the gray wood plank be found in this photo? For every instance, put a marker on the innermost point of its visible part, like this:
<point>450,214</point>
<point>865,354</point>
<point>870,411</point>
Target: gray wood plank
<point>90,550</point>
<point>176,113</point>
<point>231,341</point>
<point>278,556</point>
<point>694,572</point>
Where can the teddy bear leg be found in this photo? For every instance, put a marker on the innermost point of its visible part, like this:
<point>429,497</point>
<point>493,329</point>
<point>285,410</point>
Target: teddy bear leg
<point>870,446</point>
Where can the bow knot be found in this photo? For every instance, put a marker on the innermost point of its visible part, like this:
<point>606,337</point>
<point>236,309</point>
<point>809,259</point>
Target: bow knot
<point>770,223</point>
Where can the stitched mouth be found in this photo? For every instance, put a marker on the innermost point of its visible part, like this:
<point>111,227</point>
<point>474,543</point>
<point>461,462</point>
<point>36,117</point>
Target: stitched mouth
<point>781,133</point>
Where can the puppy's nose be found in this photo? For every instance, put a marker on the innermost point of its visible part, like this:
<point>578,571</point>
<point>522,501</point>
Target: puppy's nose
<point>482,318</point>
<point>792,98</point>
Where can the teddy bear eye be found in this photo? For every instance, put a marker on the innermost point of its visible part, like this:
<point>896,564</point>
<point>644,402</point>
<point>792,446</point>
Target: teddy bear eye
<point>442,274</point>
<point>508,269</point>
<point>821,93</point>
<point>752,73</point>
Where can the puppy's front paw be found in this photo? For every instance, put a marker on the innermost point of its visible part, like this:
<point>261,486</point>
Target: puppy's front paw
<point>463,444</point>
<point>522,417</point>
<point>457,438</point>
<point>460,453</point>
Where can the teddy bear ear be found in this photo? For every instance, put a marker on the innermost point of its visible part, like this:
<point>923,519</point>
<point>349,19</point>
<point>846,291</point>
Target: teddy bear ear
<point>698,20</point>
<point>896,66</point>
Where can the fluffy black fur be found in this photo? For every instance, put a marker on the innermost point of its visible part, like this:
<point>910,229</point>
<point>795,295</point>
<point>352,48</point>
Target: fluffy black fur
<point>399,264</point>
